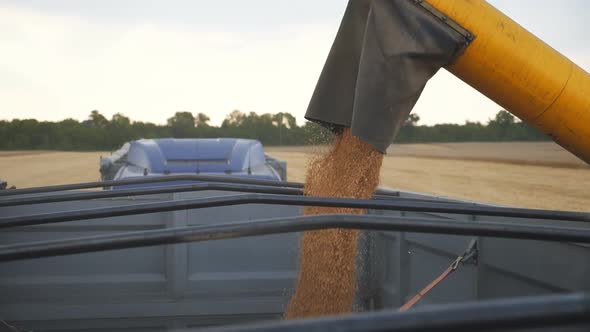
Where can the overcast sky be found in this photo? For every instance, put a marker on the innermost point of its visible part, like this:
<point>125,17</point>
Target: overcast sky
<point>148,59</point>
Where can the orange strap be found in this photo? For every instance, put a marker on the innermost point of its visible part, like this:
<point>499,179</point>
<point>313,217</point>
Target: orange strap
<point>432,284</point>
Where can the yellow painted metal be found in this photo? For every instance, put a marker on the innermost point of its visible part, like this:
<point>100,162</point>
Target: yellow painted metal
<point>523,74</point>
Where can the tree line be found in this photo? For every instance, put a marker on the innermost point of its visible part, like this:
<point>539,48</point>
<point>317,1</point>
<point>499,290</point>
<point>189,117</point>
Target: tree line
<point>100,133</point>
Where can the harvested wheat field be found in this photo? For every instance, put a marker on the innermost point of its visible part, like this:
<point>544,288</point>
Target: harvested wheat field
<point>40,168</point>
<point>535,175</point>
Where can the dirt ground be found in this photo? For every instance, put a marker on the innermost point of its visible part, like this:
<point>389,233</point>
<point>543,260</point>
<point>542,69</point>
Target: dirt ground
<point>536,175</point>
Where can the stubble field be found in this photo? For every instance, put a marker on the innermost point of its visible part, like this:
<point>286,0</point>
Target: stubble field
<point>535,175</point>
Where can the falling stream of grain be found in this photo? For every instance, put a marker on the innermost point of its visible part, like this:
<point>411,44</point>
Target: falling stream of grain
<point>327,277</point>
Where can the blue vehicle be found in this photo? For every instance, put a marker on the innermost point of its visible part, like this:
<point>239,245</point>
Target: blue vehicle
<point>244,158</point>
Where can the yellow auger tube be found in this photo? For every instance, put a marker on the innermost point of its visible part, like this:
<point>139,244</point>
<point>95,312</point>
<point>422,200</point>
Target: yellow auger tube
<point>523,74</point>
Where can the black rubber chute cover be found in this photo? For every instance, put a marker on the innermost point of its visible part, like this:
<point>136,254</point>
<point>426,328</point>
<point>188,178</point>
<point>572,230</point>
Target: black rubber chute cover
<point>383,55</point>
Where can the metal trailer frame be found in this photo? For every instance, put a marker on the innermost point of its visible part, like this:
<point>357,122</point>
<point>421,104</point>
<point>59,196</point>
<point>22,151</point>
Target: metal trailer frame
<point>562,226</point>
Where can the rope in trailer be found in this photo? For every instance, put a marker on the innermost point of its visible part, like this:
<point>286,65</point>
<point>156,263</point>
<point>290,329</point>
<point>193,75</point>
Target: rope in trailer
<point>469,254</point>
